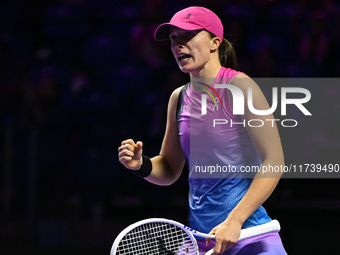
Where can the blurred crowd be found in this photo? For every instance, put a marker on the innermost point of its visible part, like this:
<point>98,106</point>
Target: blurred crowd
<point>79,76</point>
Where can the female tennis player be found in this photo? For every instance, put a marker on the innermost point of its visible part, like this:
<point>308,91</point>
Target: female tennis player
<point>203,131</point>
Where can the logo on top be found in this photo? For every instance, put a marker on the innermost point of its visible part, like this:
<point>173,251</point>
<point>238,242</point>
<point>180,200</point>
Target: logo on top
<point>204,97</point>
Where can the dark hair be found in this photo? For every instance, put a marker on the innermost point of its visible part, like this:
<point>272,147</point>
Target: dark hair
<point>226,54</point>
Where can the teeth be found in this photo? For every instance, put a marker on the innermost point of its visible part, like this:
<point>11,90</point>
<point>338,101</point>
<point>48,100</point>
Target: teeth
<point>183,56</point>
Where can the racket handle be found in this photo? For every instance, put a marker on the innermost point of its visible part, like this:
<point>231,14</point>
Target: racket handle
<point>270,227</point>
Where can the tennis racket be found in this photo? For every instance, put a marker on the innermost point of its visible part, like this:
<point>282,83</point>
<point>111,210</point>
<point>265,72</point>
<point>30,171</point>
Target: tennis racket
<point>157,236</point>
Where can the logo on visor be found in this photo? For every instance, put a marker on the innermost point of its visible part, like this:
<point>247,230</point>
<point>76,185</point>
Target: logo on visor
<point>188,16</point>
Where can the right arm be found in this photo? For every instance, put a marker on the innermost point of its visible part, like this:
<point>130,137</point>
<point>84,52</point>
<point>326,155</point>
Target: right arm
<point>168,165</point>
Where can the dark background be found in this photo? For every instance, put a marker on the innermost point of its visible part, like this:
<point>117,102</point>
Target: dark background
<point>79,76</point>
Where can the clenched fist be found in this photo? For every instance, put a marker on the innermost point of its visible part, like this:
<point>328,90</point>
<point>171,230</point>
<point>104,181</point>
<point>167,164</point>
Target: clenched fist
<point>130,154</point>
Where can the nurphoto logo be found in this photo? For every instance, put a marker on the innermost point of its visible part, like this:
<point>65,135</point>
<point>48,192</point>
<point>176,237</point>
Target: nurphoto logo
<point>239,103</point>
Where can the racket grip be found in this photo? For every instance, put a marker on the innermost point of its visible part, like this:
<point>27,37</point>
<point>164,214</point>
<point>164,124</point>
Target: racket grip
<point>209,252</point>
<point>270,227</point>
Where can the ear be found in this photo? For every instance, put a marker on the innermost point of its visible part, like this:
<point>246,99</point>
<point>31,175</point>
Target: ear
<point>215,43</point>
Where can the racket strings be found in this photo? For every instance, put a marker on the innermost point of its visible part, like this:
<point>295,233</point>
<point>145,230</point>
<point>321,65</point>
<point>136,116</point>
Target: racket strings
<point>156,238</point>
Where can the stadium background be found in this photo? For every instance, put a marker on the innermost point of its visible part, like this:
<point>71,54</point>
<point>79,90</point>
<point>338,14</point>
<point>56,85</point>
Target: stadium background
<point>79,76</point>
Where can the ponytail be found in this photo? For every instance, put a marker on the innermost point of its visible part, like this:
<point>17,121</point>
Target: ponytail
<point>226,54</point>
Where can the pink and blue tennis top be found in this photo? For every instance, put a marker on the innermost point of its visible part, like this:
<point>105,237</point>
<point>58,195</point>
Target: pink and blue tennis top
<point>214,152</point>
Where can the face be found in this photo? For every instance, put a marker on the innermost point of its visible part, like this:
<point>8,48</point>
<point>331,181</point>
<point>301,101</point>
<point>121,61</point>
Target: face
<point>192,49</point>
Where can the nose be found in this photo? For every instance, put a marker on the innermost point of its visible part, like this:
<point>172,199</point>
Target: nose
<point>178,43</point>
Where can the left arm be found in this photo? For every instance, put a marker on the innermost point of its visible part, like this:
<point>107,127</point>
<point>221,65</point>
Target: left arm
<point>267,142</point>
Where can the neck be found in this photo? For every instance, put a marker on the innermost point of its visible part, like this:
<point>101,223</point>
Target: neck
<point>205,75</point>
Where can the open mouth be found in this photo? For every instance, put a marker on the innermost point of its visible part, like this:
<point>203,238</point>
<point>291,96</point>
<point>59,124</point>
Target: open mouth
<point>183,57</point>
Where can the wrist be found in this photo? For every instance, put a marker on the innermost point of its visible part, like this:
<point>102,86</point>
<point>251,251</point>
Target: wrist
<point>145,168</point>
<point>234,216</point>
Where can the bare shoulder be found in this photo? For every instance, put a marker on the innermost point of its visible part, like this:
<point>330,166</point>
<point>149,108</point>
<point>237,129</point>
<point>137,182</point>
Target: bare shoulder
<point>176,92</point>
<point>243,82</point>
<point>174,96</point>
<point>172,105</point>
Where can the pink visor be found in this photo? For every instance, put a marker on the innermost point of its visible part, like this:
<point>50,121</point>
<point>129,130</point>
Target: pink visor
<point>191,18</point>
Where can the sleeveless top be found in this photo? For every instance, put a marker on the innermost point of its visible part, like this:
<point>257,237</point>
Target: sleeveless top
<point>216,145</point>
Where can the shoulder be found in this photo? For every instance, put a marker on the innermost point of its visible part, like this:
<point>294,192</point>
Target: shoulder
<point>175,95</point>
<point>176,92</point>
<point>252,93</point>
<point>173,102</point>
<point>244,82</point>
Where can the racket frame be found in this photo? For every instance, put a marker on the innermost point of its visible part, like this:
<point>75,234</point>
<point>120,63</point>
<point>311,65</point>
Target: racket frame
<point>153,220</point>
<point>270,227</point>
